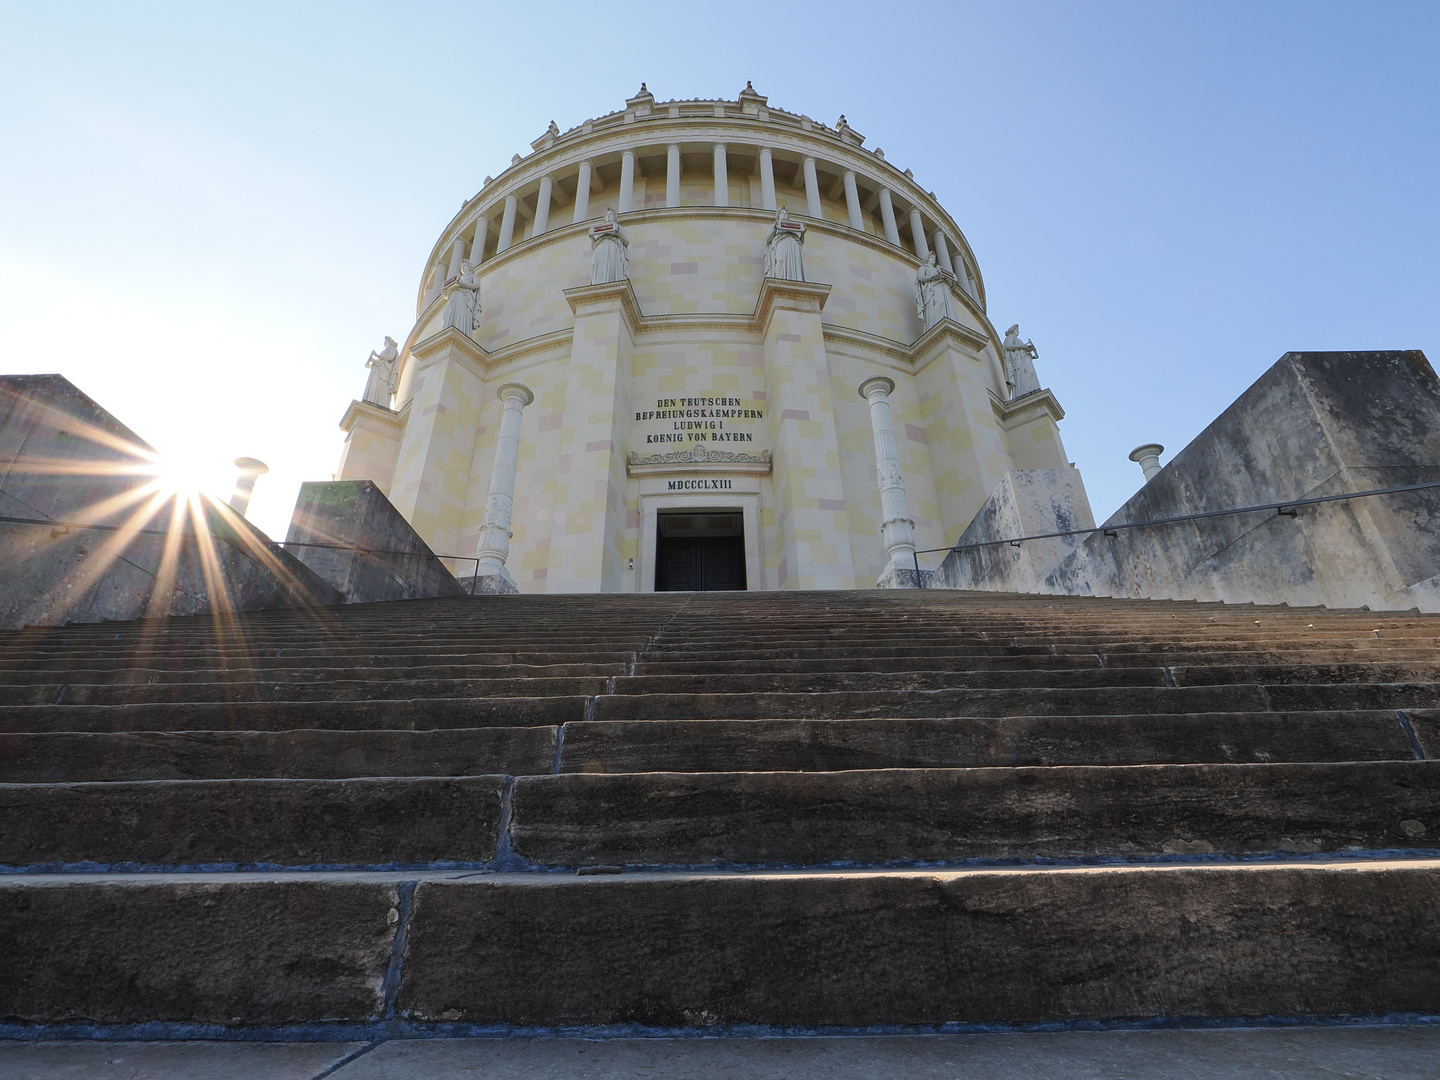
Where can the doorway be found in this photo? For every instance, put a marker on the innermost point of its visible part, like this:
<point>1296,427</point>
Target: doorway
<point>700,551</point>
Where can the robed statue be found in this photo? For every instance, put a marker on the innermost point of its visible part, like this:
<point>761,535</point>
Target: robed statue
<point>933,301</point>
<point>609,259</point>
<point>384,374</point>
<point>462,310</point>
<point>1020,358</point>
<point>783,256</point>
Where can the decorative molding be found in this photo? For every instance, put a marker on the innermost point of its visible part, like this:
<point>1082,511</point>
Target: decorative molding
<point>1012,414</point>
<point>806,295</point>
<point>622,291</point>
<point>685,461</point>
<point>388,422</point>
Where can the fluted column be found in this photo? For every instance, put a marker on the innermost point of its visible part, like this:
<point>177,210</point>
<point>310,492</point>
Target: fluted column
<point>942,251</point>
<point>812,189</point>
<point>495,531</point>
<point>767,179</point>
<point>482,233</point>
<point>897,529</point>
<point>917,231</point>
<point>582,193</point>
<point>457,256</point>
<point>1147,457</point>
<point>542,206</point>
<point>887,215</point>
<point>627,182</point>
<point>507,225</point>
<point>722,177</point>
<point>852,201</point>
<point>437,283</point>
<point>672,175</point>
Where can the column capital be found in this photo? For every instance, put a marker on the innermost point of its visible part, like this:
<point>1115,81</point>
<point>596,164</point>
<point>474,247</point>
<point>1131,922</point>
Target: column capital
<point>849,172</point>
<point>808,159</point>
<point>877,386</point>
<point>719,145</point>
<point>518,392</point>
<point>671,146</point>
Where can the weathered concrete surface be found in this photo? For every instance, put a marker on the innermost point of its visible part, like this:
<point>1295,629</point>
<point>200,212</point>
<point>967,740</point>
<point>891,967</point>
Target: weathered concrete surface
<point>890,815</point>
<point>197,949</point>
<point>361,822</point>
<point>1304,1053</point>
<point>1314,424</point>
<point>1026,502</point>
<point>393,563</point>
<point>927,947</point>
<point>64,458</point>
<point>181,1060</point>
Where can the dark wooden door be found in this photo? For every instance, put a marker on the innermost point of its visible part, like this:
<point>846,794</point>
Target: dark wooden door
<point>700,564</point>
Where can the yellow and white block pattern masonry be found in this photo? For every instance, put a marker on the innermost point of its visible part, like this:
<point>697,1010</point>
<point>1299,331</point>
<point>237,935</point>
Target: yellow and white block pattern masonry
<point>747,384</point>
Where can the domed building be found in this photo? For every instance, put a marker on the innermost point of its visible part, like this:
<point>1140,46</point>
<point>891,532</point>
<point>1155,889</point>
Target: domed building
<point>696,345</point>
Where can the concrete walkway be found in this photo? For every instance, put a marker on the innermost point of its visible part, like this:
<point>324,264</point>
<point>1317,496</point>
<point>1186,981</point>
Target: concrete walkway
<point>1365,1053</point>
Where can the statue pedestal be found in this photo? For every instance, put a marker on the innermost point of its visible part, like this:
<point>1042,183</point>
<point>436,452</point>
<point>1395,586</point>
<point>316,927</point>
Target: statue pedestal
<point>500,584</point>
<point>903,577</point>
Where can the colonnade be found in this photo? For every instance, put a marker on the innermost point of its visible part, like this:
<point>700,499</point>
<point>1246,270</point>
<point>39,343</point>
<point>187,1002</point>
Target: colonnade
<point>922,241</point>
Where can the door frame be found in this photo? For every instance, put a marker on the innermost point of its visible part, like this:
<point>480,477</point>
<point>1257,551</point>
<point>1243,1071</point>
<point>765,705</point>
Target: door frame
<point>727,502</point>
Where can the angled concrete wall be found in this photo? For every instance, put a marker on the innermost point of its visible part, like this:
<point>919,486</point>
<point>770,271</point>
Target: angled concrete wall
<point>63,458</point>
<point>1314,424</point>
<point>379,557</point>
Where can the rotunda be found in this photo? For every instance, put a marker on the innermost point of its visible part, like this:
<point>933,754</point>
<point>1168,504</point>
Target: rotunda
<point>698,345</point>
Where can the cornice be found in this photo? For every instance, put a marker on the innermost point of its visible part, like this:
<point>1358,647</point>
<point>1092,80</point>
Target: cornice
<point>1013,413</point>
<point>616,291</point>
<point>375,416</point>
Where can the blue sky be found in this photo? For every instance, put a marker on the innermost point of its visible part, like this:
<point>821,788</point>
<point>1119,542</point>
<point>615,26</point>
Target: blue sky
<point>210,214</point>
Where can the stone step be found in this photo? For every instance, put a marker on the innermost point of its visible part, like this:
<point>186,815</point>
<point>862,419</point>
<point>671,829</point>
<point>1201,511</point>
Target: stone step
<point>830,745</point>
<point>175,824</point>
<point>420,714</point>
<point>865,817</point>
<point>696,950</point>
<point>75,757</point>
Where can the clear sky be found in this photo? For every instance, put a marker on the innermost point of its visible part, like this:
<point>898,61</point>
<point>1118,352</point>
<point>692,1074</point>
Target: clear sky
<point>210,214</point>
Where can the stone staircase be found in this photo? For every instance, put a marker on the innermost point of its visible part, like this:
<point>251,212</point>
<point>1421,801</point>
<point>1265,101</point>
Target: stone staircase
<point>792,811</point>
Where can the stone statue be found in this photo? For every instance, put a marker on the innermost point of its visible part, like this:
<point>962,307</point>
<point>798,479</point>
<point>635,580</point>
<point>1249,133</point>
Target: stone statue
<point>932,293</point>
<point>462,310</point>
<point>609,261</point>
<point>384,374</point>
<point>1020,359</point>
<point>783,258</point>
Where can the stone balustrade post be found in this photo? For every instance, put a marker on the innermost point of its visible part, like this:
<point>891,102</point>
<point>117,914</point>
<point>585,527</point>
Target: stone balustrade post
<point>582,193</point>
<point>1148,458</point>
<point>852,201</point>
<point>917,232</point>
<point>500,504</point>
<point>887,216</point>
<point>767,179</point>
<point>507,225</point>
<point>672,175</point>
<point>627,182</point>
<point>897,528</point>
<point>542,206</point>
<point>812,189</point>
<point>722,177</point>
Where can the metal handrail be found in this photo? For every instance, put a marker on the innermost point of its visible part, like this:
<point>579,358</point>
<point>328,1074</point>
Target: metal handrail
<point>274,545</point>
<point>1282,509</point>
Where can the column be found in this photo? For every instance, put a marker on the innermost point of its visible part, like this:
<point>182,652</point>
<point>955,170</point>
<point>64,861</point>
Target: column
<point>812,189</point>
<point>477,247</point>
<point>457,256</point>
<point>852,201</point>
<point>917,233</point>
<point>887,215</point>
<point>672,175</point>
<point>1147,457</point>
<point>495,532</point>
<point>722,177</point>
<point>627,182</point>
<point>252,469</point>
<point>542,206</point>
<point>767,179</point>
<point>582,193</point>
<point>507,225</point>
<point>897,529</point>
<point>437,283</point>
<point>942,251</point>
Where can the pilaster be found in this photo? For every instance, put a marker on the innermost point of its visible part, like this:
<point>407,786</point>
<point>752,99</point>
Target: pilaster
<point>1032,432</point>
<point>811,521</point>
<point>372,443</point>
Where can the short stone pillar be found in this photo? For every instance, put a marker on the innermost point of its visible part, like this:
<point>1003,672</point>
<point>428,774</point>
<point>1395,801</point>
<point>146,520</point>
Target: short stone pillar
<point>1148,458</point>
<point>251,469</point>
<point>491,576</point>
<point>897,529</point>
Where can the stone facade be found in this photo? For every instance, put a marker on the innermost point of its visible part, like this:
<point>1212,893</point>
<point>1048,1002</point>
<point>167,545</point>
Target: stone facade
<point>698,383</point>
